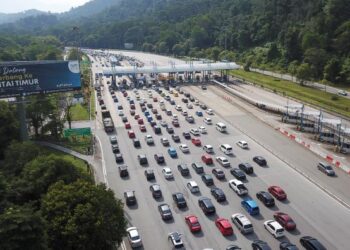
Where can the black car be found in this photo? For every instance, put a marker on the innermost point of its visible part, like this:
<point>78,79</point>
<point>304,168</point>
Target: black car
<point>265,198</point>
<point>176,138</point>
<point>183,169</point>
<point>207,179</point>
<point>130,198</point>
<point>153,124</point>
<point>124,119</point>
<point>187,135</point>
<point>119,158</point>
<point>260,160</point>
<point>159,158</point>
<point>156,192</point>
<point>184,100</point>
<point>157,129</point>
<point>120,107</point>
<point>149,174</point>
<point>203,106</point>
<point>165,211</point>
<point>218,194</point>
<point>136,143</point>
<point>158,117</point>
<point>179,199</point>
<point>115,149</point>
<point>287,246</point>
<point>168,112</point>
<point>198,168</point>
<point>190,119</point>
<point>311,243</point>
<point>246,167</point>
<point>149,105</point>
<point>239,174</point>
<point>260,245</point>
<point>206,205</point>
<point>142,159</point>
<point>219,173</point>
<point>170,130</point>
<point>123,171</point>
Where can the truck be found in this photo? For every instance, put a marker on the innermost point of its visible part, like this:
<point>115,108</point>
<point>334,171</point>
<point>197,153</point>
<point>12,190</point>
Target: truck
<point>238,187</point>
<point>107,121</point>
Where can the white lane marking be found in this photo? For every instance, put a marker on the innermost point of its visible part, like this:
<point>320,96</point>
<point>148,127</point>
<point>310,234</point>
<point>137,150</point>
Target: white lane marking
<point>103,163</point>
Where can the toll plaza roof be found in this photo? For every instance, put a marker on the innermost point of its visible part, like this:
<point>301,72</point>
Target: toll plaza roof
<point>172,68</point>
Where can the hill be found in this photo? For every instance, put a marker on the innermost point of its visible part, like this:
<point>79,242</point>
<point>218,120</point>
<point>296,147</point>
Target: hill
<point>13,17</point>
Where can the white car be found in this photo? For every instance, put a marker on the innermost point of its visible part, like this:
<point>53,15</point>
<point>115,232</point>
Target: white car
<point>342,92</point>
<point>208,121</point>
<point>223,161</point>
<point>208,149</point>
<point>167,173</point>
<point>243,144</point>
<point>184,113</point>
<point>175,239</point>
<point>194,131</point>
<point>274,228</point>
<point>121,113</point>
<point>134,237</point>
<point>193,187</point>
<point>189,106</point>
<point>196,102</point>
<point>149,139</point>
<point>175,117</point>
<point>202,129</point>
<point>210,112</point>
<point>178,108</point>
<point>184,148</point>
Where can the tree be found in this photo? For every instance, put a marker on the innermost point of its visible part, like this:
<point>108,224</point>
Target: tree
<point>8,126</point>
<point>22,228</point>
<point>81,215</point>
<point>3,193</point>
<point>317,59</point>
<point>331,71</point>
<point>74,54</point>
<point>178,50</point>
<point>303,73</point>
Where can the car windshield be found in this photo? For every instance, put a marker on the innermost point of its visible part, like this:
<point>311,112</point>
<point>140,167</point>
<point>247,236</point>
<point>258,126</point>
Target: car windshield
<point>279,230</point>
<point>328,168</point>
<point>135,238</point>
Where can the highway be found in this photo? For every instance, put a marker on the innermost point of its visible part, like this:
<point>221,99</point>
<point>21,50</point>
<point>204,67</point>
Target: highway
<point>304,199</point>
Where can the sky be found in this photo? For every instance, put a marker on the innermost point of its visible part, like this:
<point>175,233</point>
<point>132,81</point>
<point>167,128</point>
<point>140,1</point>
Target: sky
<point>14,6</point>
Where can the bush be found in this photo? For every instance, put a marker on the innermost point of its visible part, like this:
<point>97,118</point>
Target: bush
<point>334,98</point>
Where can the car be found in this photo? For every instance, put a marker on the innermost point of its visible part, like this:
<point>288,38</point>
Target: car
<point>156,192</point>
<point>127,125</point>
<point>242,144</point>
<point>206,205</point>
<point>260,245</point>
<point>168,112</point>
<point>186,135</point>
<point>342,92</point>
<point>189,105</point>
<point>143,128</point>
<point>165,211</point>
<point>265,198</point>
<point>120,107</point>
<point>287,246</point>
<point>172,152</point>
<point>175,138</point>
<point>175,117</point>
<point>325,168</point>
<point>233,247</point>
<point>136,142</point>
<point>140,121</point>
<point>239,174</point>
<point>224,226</point>
<point>172,102</point>
<point>246,167</point>
<point>130,198</point>
<point>260,160</point>
<point>196,142</point>
<point>163,124</point>
<point>184,100</point>
<point>178,108</point>
<point>175,123</point>
<point>193,186</point>
<point>121,113</point>
<point>208,149</point>
<point>157,130</point>
<point>164,141</point>
<point>277,192</point>
<point>184,113</point>
<point>198,168</point>
<point>207,159</point>
<point>223,161</point>
<point>218,173</point>
<point>132,112</point>
<point>154,111</point>
<point>238,187</point>
<point>136,116</point>
<point>118,158</point>
<point>134,237</point>
<point>193,223</point>
<point>183,168</point>
<point>142,159</point>
<point>204,87</point>
<point>123,171</point>
<point>115,149</point>
<point>189,119</point>
<point>170,130</point>
<point>149,140</point>
<point>218,194</point>
<point>131,134</point>
<point>149,173</point>
<point>113,140</point>
<point>168,174</point>
<point>226,149</point>
<point>207,179</point>
<point>311,243</point>
<point>202,130</point>
<point>242,223</point>
<point>155,99</point>
<point>199,113</point>
<point>203,106</point>
<point>175,239</point>
<point>149,105</point>
<point>208,121</point>
<point>285,220</point>
<point>179,200</point>
<point>132,106</point>
<point>184,148</point>
<point>124,119</point>
<point>194,131</point>
<point>210,112</point>
<point>159,158</point>
<point>274,228</point>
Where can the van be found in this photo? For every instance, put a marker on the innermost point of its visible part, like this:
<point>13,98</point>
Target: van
<point>206,205</point>
<point>221,127</point>
<point>242,223</point>
<point>251,207</point>
<point>226,149</point>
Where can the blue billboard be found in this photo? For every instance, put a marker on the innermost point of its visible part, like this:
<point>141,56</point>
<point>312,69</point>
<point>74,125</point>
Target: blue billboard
<point>28,78</point>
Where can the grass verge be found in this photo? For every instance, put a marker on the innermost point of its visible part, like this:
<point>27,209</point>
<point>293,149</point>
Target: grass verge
<point>327,101</point>
<point>79,112</point>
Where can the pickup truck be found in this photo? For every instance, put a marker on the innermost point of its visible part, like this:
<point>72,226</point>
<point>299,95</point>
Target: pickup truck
<point>238,187</point>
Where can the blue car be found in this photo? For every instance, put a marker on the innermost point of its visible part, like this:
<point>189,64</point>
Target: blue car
<point>149,118</point>
<point>172,152</point>
<point>199,113</point>
<point>146,113</point>
<point>251,207</point>
<point>172,102</point>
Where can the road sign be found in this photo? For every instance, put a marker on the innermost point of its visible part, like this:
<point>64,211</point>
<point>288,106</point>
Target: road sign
<point>77,132</point>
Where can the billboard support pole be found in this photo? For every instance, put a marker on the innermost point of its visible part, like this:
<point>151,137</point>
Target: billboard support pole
<point>22,118</point>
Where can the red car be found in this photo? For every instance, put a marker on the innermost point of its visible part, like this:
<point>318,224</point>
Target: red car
<point>155,99</point>
<point>193,223</point>
<point>196,141</point>
<point>176,123</point>
<point>127,125</point>
<point>285,220</point>
<point>137,116</point>
<point>132,106</point>
<point>140,121</point>
<point>207,159</point>
<point>131,134</point>
<point>277,192</point>
<point>142,128</point>
<point>125,94</point>
<point>224,226</point>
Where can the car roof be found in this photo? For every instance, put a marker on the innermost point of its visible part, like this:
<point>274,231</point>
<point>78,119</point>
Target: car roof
<point>224,222</point>
<point>193,183</point>
<point>275,224</point>
<point>251,203</point>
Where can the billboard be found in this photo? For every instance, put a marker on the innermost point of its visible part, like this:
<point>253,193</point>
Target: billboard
<point>28,78</point>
